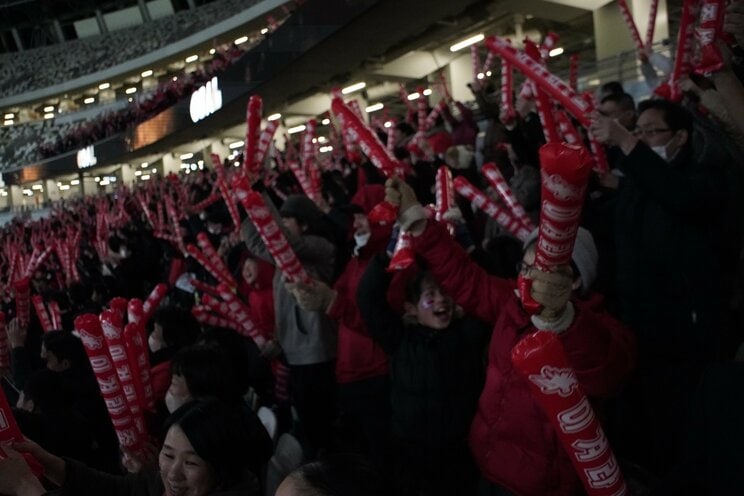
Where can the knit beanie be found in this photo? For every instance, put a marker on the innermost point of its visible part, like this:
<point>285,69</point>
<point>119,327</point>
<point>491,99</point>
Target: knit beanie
<point>584,256</point>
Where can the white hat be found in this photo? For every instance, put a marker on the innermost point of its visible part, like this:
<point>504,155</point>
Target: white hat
<point>584,256</point>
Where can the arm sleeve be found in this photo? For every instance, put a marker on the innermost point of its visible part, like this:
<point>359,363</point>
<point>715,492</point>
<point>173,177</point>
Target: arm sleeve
<point>252,239</point>
<point>600,349</point>
<point>688,191</point>
<point>344,309</point>
<point>479,293</point>
<point>84,480</point>
<point>382,323</point>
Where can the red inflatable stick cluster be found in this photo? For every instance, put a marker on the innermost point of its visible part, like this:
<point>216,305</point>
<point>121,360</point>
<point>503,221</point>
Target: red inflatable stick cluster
<point>383,213</point>
<point>112,325</point>
<point>272,236</point>
<point>90,331</point>
<point>498,182</point>
<point>499,214</point>
<point>221,185</point>
<point>208,257</point>
<point>540,358</point>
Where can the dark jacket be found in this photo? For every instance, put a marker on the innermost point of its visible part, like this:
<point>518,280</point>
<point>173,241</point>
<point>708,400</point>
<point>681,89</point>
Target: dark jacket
<point>436,375</point>
<point>667,236</point>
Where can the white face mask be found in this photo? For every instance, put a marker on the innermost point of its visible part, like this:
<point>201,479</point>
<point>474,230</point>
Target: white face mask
<point>361,239</point>
<point>173,403</point>
<point>154,343</point>
<point>661,150</point>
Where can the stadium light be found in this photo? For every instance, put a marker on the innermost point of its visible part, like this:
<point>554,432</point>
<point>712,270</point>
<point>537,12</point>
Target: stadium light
<point>467,42</point>
<point>146,73</point>
<point>354,87</point>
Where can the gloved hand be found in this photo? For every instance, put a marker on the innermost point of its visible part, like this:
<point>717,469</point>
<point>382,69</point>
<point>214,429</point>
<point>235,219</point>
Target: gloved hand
<point>398,192</point>
<point>313,297</point>
<point>552,290</point>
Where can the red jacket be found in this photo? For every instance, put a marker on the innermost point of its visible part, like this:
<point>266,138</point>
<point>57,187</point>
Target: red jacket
<point>358,356</point>
<point>260,298</point>
<point>512,440</point>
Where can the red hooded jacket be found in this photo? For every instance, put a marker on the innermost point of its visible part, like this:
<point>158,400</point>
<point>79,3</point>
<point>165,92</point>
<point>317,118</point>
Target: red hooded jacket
<point>358,356</point>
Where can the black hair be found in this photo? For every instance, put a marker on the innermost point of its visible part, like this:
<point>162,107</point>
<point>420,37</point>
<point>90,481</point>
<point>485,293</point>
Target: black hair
<point>405,128</point>
<point>46,389</point>
<point>340,475</point>
<point>207,372</point>
<point>66,346</point>
<point>675,116</point>
<point>248,367</point>
<point>218,436</point>
<point>622,100</point>
<point>180,327</point>
<point>415,285</point>
<point>611,87</point>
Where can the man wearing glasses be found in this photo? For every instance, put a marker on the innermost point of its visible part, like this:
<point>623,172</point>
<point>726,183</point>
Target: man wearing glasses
<point>667,232</point>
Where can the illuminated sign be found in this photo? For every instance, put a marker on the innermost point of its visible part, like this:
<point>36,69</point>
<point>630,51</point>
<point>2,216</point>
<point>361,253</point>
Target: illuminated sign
<point>86,157</point>
<point>206,100</point>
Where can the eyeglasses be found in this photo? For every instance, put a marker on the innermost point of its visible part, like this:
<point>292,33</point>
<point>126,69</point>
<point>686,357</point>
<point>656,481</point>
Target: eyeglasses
<point>650,133</point>
<point>524,268</point>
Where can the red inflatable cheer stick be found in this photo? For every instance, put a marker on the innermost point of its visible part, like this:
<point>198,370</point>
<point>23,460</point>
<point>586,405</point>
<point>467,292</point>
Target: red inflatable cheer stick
<point>10,433</point>
<point>403,256</point>
<point>444,194</point>
<point>683,56</point>
<point>628,16</point>
<point>565,172</point>
<point>41,313</point>
<point>135,311</point>
<point>222,273</point>
<point>498,182</point>
<point>23,301</point>
<point>252,134</point>
<point>540,358</point>
<point>153,301</point>
<point>136,343</point>
<point>542,100</point>
<point>653,9</point>
<point>272,236</point>
<point>91,334</point>
<point>264,141</point>
<point>553,85</point>
<point>573,71</point>
<point>507,89</point>
<point>709,31</point>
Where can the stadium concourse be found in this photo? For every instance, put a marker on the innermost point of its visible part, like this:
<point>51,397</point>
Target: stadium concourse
<point>321,247</point>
